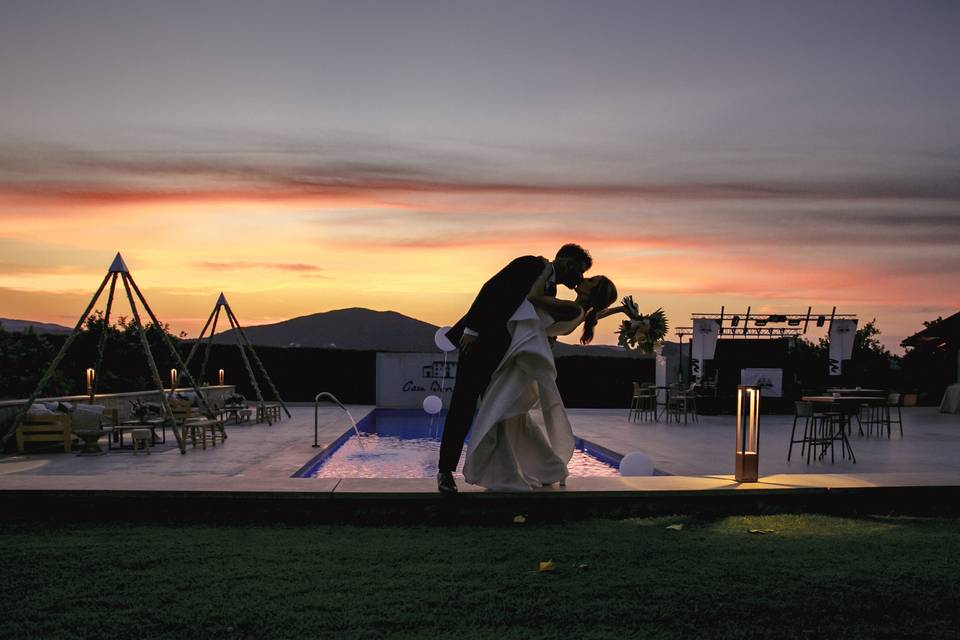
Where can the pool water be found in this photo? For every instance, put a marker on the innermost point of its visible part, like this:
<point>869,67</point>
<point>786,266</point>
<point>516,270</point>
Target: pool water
<point>405,444</point>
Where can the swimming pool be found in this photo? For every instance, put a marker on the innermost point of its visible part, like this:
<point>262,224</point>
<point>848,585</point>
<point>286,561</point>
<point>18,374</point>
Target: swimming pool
<point>405,443</point>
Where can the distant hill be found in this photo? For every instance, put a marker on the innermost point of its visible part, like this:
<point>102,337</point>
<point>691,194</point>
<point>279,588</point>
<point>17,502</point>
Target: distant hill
<point>353,328</point>
<point>368,330</point>
<point>11,325</point>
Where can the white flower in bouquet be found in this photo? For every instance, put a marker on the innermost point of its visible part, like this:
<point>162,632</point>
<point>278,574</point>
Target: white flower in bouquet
<point>641,332</point>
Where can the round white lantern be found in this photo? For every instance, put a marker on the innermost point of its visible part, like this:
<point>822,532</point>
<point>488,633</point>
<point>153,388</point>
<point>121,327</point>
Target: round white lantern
<point>442,341</point>
<point>432,405</point>
<point>636,463</point>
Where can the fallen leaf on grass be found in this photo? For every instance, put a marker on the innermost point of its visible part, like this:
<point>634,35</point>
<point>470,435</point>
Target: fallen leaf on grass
<point>675,527</point>
<point>547,566</point>
<point>762,531</point>
<point>519,519</point>
<point>582,567</point>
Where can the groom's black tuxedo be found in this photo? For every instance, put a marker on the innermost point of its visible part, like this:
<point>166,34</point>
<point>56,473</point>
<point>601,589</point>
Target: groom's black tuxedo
<point>488,315</point>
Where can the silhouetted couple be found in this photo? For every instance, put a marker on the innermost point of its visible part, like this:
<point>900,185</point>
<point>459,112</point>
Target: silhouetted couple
<point>506,357</point>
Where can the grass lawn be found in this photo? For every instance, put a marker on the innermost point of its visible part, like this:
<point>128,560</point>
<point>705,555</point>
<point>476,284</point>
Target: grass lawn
<point>811,577</point>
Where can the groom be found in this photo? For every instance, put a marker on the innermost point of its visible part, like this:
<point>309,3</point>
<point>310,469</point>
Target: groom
<point>483,338</point>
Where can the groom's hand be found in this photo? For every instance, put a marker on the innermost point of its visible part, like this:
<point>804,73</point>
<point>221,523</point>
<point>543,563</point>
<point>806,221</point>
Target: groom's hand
<point>466,343</point>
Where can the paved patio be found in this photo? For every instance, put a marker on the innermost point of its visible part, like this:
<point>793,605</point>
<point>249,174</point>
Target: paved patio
<point>258,457</point>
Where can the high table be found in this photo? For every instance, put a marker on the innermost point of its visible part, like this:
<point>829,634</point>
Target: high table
<point>840,402</point>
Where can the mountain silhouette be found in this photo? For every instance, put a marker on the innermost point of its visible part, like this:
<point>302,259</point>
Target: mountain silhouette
<point>354,328</point>
<point>9,324</point>
<point>367,330</point>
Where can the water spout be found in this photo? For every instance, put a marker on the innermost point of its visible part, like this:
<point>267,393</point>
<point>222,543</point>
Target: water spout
<point>316,416</point>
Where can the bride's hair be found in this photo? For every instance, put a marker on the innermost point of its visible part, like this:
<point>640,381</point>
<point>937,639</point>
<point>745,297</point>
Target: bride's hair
<point>601,296</point>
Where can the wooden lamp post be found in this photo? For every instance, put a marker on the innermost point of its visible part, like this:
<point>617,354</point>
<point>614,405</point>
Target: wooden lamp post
<point>748,433</point>
<point>91,376</point>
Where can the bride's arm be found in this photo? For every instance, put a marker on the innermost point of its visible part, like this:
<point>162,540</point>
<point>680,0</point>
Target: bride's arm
<point>560,309</point>
<point>611,311</point>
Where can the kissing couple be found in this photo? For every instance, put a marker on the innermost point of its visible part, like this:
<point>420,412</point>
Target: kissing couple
<point>505,342</point>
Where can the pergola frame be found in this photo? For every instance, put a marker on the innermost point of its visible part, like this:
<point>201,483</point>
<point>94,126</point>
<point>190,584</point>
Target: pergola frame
<point>243,343</point>
<point>118,269</point>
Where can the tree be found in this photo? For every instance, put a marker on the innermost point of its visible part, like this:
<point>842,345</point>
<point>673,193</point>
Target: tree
<point>25,356</point>
<point>871,364</point>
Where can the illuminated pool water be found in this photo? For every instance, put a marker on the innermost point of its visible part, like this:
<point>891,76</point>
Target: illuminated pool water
<point>401,443</point>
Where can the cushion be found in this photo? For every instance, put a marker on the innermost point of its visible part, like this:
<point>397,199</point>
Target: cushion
<point>189,397</point>
<point>87,416</point>
<point>39,410</point>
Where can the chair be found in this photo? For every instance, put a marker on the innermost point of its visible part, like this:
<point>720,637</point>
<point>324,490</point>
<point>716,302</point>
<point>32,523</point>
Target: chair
<point>832,427</point>
<point>893,401</point>
<point>803,410</point>
<point>643,404</point>
<point>196,427</point>
<point>683,401</point>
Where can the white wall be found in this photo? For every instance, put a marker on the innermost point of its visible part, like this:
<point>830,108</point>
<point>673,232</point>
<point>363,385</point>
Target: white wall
<point>405,379</point>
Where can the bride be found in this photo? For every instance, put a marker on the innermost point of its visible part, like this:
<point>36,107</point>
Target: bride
<point>511,447</point>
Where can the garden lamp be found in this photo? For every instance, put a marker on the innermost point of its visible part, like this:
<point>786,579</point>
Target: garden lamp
<point>748,433</point>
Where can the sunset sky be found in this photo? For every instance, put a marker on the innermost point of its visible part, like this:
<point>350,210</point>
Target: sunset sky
<point>308,156</point>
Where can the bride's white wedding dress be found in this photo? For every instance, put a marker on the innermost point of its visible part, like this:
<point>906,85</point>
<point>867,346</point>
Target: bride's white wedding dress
<point>514,446</point>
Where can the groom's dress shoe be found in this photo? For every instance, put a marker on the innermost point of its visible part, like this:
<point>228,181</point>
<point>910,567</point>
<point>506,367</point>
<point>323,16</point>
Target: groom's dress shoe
<point>445,482</point>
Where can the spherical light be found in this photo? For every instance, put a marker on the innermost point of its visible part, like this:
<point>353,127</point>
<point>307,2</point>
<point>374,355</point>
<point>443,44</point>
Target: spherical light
<point>432,405</point>
<point>442,341</point>
<point>636,463</point>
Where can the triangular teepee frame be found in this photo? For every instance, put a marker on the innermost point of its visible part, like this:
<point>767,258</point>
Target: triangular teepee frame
<point>118,269</point>
<point>242,341</point>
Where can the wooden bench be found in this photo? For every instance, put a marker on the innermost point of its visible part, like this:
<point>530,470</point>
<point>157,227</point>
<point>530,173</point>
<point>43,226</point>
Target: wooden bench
<point>46,428</point>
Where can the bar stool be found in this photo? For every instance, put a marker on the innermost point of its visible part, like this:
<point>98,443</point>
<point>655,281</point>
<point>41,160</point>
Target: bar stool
<point>683,401</point>
<point>803,410</point>
<point>142,439</point>
<point>643,404</point>
<point>893,401</point>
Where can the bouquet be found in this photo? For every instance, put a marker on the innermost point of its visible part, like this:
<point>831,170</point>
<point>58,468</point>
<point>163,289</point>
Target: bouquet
<point>640,332</point>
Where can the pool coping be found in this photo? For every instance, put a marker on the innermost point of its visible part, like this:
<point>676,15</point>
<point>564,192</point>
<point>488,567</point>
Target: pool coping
<point>416,500</point>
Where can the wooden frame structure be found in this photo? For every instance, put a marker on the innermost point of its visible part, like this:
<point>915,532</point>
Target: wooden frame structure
<point>118,270</point>
<point>243,343</point>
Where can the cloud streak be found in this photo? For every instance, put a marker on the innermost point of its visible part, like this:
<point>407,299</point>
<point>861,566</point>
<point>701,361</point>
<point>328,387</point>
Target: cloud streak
<point>296,267</point>
<point>100,178</point>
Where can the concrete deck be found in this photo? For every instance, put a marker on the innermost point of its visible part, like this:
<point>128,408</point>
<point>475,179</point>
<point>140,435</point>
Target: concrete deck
<point>251,472</point>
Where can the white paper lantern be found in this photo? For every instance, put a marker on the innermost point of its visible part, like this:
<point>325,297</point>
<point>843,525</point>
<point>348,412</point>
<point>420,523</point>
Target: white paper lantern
<point>636,463</point>
<point>432,405</point>
<point>442,341</point>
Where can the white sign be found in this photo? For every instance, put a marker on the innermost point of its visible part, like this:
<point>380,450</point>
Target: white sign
<point>404,380</point>
<point>842,333</point>
<point>705,333</point>
<point>770,381</point>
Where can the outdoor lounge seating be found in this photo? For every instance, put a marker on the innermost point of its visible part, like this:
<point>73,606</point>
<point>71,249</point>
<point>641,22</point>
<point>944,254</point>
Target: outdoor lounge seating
<point>65,423</point>
<point>47,427</point>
